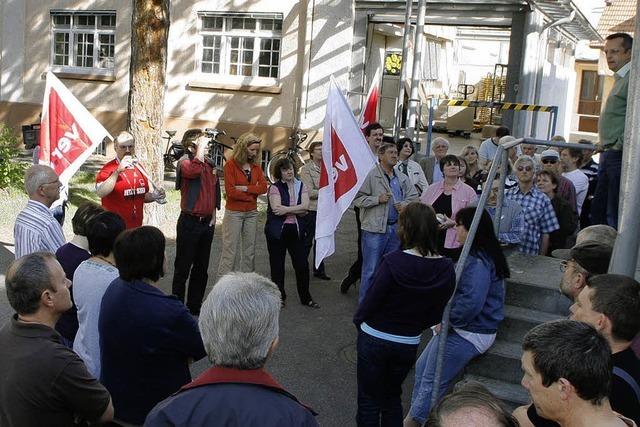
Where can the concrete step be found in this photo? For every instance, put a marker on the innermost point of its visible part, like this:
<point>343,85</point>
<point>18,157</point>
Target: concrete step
<point>501,362</point>
<point>519,320</point>
<point>513,395</point>
<point>534,297</point>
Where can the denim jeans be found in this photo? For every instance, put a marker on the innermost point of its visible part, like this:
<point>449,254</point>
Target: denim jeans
<point>604,206</point>
<point>382,367</point>
<point>374,245</point>
<point>458,352</point>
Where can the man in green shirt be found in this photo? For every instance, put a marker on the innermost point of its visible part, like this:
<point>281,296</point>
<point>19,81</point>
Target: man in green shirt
<point>604,207</point>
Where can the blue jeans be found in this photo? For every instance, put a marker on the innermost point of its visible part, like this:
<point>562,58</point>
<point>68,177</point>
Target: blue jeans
<point>604,206</point>
<point>458,352</point>
<point>382,367</point>
<point>374,245</point>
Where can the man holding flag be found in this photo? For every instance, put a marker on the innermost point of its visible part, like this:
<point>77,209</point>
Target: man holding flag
<point>382,196</point>
<point>346,161</point>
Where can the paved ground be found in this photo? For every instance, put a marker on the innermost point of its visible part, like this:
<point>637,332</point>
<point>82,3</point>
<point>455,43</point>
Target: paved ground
<point>315,359</point>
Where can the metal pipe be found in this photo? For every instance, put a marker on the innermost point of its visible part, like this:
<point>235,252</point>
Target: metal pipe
<point>625,251</point>
<point>405,52</point>
<point>444,331</point>
<point>430,128</point>
<point>418,48</point>
<point>504,161</point>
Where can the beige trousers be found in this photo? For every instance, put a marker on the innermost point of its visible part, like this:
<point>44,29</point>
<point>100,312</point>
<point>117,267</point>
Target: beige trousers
<point>238,241</point>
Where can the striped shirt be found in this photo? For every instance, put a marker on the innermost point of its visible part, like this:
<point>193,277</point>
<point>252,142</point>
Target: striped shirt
<point>36,230</point>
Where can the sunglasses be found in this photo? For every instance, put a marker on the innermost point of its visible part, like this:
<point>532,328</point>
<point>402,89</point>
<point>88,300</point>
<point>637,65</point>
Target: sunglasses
<point>549,161</point>
<point>525,168</point>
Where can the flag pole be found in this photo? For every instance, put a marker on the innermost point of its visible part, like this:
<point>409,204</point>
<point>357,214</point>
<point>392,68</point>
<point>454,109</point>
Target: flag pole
<point>418,47</point>
<point>403,70</point>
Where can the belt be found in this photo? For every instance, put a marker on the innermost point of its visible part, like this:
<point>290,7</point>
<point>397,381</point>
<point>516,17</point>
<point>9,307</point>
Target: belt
<point>201,219</point>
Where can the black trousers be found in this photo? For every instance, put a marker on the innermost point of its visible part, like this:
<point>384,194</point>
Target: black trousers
<point>310,233</point>
<point>193,247</point>
<point>356,268</point>
<point>290,242</point>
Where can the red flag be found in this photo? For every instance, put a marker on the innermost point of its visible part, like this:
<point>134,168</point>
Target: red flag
<point>370,111</point>
<point>68,132</point>
<point>347,160</point>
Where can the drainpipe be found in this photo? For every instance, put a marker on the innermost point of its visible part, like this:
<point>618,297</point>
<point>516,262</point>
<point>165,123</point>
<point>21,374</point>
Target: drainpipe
<point>403,70</point>
<point>540,60</point>
<point>416,75</point>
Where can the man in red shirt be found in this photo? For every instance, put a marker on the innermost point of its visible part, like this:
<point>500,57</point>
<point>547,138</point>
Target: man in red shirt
<point>123,186</point>
<point>199,199</point>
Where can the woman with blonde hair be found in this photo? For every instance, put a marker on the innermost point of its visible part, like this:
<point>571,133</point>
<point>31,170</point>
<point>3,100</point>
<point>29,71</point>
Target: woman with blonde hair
<point>243,182</point>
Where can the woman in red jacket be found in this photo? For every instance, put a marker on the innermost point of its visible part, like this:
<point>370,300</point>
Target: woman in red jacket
<point>243,182</point>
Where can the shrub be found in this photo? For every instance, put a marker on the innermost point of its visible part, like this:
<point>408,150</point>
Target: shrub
<point>11,168</point>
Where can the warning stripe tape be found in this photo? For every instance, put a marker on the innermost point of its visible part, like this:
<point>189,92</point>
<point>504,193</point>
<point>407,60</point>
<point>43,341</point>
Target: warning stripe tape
<point>502,105</point>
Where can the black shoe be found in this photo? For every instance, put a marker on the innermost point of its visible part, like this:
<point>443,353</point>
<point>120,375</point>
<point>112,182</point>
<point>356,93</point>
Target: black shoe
<point>322,276</point>
<point>346,283</point>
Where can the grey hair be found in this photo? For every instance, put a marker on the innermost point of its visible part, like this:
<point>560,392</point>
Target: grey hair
<point>36,176</point>
<point>26,279</point>
<point>123,136</point>
<point>524,159</point>
<point>239,320</point>
<point>440,140</point>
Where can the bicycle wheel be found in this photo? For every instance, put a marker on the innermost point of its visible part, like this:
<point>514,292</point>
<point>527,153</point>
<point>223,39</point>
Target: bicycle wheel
<point>271,165</point>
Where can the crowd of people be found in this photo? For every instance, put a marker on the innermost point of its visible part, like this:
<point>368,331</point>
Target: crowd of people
<point>95,340</point>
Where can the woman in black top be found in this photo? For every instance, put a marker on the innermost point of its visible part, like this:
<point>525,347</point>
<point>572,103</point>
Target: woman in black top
<point>566,214</point>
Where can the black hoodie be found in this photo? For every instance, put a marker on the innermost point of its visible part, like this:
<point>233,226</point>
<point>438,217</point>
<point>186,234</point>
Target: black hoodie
<point>408,294</point>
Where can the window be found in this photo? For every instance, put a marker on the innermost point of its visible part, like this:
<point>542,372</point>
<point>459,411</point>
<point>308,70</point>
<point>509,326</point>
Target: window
<point>83,41</point>
<point>240,44</point>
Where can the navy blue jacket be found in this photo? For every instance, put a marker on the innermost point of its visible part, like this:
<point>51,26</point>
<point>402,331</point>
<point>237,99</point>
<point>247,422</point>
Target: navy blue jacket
<point>146,341</point>
<point>478,304</point>
<point>273,226</point>
<point>232,397</point>
<point>408,294</point>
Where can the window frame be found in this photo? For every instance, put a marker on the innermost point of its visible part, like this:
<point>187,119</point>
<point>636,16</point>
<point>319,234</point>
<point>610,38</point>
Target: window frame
<point>73,30</point>
<point>226,35</point>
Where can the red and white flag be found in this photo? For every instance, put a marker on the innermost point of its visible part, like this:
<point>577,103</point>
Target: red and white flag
<point>369,113</point>
<point>68,132</point>
<point>346,162</point>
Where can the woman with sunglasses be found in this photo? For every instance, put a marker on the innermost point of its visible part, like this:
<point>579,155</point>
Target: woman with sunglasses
<point>477,308</point>
<point>567,216</point>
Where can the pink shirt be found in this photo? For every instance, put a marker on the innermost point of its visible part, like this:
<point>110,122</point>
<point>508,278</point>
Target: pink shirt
<point>293,198</point>
<point>461,197</point>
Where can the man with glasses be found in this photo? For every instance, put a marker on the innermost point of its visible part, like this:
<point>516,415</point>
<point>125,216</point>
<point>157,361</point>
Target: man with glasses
<point>123,186</point>
<point>511,216</point>
<point>36,230</point>
<point>539,216</point>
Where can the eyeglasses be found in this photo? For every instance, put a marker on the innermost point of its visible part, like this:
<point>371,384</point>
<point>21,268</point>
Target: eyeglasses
<point>57,181</point>
<point>564,265</point>
<point>549,161</point>
<point>525,168</point>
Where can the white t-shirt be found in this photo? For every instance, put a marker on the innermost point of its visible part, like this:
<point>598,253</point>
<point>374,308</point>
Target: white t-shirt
<point>487,150</point>
<point>581,182</point>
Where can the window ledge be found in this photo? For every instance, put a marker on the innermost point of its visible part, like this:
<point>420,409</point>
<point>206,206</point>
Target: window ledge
<point>242,87</point>
<point>83,76</point>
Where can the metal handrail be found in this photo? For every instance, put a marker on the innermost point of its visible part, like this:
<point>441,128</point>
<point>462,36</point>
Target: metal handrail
<point>500,160</point>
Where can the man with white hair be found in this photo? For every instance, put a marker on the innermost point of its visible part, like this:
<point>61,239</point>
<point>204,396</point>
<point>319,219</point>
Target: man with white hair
<point>239,327</point>
<point>123,185</point>
<point>431,165</point>
<point>539,216</point>
<point>36,229</point>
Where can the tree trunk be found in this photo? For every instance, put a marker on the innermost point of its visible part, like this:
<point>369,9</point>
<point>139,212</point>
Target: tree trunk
<point>149,34</point>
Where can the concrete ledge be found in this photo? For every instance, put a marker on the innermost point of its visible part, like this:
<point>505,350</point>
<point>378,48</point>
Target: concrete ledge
<point>199,84</point>
<point>81,76</point>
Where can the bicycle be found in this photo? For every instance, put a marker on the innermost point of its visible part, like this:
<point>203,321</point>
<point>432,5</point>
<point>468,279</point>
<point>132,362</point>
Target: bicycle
<point>173,152</point>
<point>292,153</point>
<point>215,148</point>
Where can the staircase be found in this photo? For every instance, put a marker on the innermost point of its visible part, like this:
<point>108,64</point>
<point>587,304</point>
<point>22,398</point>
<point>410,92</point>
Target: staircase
<point>532,297</point>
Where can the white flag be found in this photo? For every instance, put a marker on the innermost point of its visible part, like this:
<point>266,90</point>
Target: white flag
<point>68,132</point>
<point>346,162</point>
